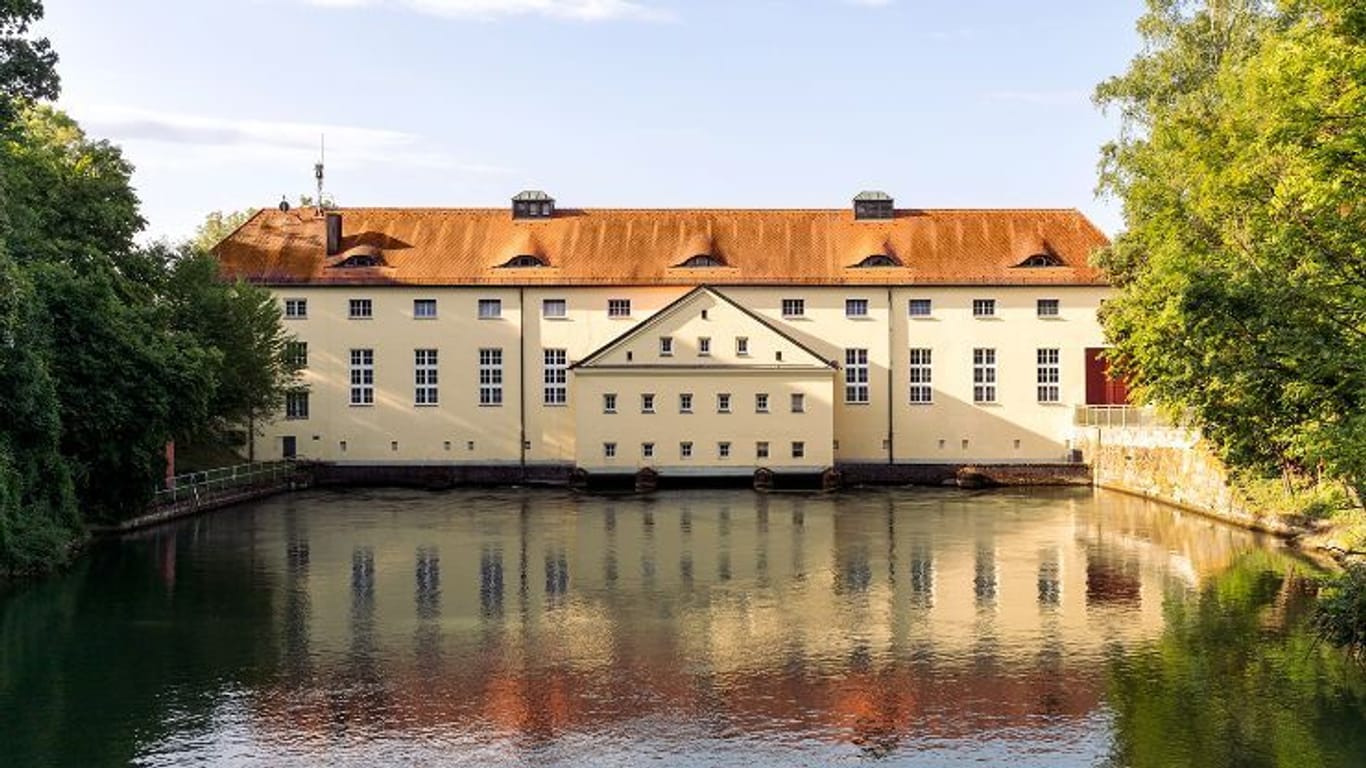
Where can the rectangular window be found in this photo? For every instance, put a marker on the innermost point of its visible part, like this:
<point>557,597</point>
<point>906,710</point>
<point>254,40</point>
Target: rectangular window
<point>798,402</point>
<point>360,309</point>
<point>555,377</point>
<point>647,450</point>
<point>794,307</point>
<point>983,375</point>
<point>922,376</point>
<point>1048,307</point>
<point>491,376</point>
<point>618,307</point>
<point>666,346</point>
<point>424,377</point>
<point>855,307</point>
<point>921,307</point>
<point>555,308</point>
<point>647,403</point>
<point>1049,376</point>
<point>296,353</point>
<point>296,309</point>
<point>798,449</point>
<point>296,406</point>
<point>761,449</point>
<point>685,450</point>
<point>704,346</point>
<point>609,403</point>
<point>983,307</point>
<point>424,308</point>
<point>609,450</point>
<point>741,346</point>
<point>362,377</point>
<point>723,450</point>
<point>490,309</point>
<point>761,402</point>
<point>856,376</point>
<point>723,403</point>
<point>685,402</point>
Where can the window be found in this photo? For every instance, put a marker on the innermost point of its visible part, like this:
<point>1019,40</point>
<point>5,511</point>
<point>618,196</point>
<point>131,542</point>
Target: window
<point>609,403</point>
<point>525,261</point>
<point>761,449</point>
<point>555,377</point>
<point>1049,375</point>
<point>723,402</point>
<point>856,376</point>
<point>362,377</point>
<point>360,309</point>
<point>794,307</point>
<point>879,260</point>
<point>424,377</point>
<point>647,450</point>
<point>685,450</point>
<point>296,353</point>
<point>703,260</point>
<point>296,406</point>
<point>921,307</point>
<point>618,307</point>
<point>609,450</point>
<point>685,402</point>
<point>490,309</point>
<point>666,346</point>
<point>647,403</point>
<point>922,376</point>
<point>798,402</point>
<point>1042,260</point>
<point>798,449</point>
<point>296,309</point>
<point>742,346</point>
<point>761,402</point>
<point>855,307</point>
<point>983,307</point>
<point>723,450</point>
<point>983,375</point>
<point>1048,307</point>
<point>424,308</point>
<point>491,376</point>
<point>704,346</point>
<point>555,308</point>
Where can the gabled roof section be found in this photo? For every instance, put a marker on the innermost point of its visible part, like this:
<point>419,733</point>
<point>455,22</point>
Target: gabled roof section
<point>705,312</point>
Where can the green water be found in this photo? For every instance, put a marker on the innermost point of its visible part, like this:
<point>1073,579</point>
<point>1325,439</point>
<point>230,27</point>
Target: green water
<point>905,627</point>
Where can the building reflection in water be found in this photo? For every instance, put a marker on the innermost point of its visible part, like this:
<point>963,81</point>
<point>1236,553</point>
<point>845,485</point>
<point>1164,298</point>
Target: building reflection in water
<point>851,614</point>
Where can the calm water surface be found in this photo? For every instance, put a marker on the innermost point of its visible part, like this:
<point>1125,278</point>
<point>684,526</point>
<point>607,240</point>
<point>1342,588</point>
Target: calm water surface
<point>906,627</point>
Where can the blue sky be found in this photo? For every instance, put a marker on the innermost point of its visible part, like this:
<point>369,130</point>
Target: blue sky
<point>606,103</point>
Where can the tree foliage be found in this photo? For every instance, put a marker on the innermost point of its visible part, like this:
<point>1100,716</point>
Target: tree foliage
<point>28,66</point>
<point>218,225</point>
<point>1241,166</point>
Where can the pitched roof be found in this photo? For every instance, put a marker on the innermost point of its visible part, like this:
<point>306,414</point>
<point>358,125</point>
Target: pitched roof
<point>469,246</point>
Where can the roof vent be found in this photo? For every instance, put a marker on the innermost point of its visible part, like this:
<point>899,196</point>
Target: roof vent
<point>873,205</point>
<point>533,204</point>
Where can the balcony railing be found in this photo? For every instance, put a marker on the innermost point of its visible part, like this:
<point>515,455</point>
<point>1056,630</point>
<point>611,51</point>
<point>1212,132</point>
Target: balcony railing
<point>201,486</point>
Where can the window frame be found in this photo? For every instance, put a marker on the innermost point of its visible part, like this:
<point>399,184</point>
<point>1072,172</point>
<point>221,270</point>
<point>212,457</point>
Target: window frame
<point>296,309</point>
<point>563,305</point>
<point>666,346</point>
<point>1053,307</point>
<point>857,375</point>
<point>742,346</point>
<point>685,404</point>
<point>426,377</point>
<point>985,375</point>
<point>786,307</point>
<point>920,376</point>
<point>861,305</point>
<point>723,402</point>
<point>417,315</point>
<point>647,402</point>
<point>618,308</point>
<point>926,304</point>
<point>493,304</point>
<point>609,402</point>
<point>797,402</point>
<point>292,410</point>
<point>354,309</point>
<point>554,377</point>
<point>761,404</point>
<point>984,308</point>
<point>704,346</point>
<point>490,377</point>
<point>362,377</point>
<point>1048,375</point>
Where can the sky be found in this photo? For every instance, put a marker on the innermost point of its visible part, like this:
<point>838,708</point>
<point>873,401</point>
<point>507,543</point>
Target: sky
<point>220,104</point>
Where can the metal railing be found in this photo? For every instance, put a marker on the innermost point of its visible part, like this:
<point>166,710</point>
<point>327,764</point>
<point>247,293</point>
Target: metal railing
<point>1119,416</point>
<point>200,486</point>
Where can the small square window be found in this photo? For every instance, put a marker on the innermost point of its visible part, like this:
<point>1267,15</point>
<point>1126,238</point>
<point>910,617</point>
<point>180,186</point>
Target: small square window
<point>609,403</point>
<point>794,307</point>
<point>704,346</point>
<point>798,402</point>
<point>761,449</point>
<point>983,307</point>
<point>647,403</point>
<point>490,309</point>
<point>666,346</point>
<point>647,450</point>
<point>685,402</point>
<point>921,307</point>
<point>741,346</point>
<point>424,308</point>
<point>798,449</point>
<point>685,450</point>
<point>360,309</point>
<point>609,450</point>
<point>723,450</point>
<point>556,308</point>
<point>761,403</point>
<point>1048,307</point>
<point>618,307</point>
<point>296,309</point>
<point>855,307</point>
<point>723,403</point>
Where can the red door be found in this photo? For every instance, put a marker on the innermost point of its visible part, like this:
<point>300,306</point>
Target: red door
<point>1101,388</point>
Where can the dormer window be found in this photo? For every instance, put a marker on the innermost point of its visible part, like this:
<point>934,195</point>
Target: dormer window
<point>533,204</point>
<point>361,256</point>
<point>874,205</point>
<point>702,260</point>
<point>879,260</point>
<point>1042,260</point>
<point>525,261</point>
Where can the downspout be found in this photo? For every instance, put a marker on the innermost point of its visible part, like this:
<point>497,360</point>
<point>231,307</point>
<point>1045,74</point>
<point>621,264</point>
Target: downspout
<point>521,377</point>
<point>891,393</point>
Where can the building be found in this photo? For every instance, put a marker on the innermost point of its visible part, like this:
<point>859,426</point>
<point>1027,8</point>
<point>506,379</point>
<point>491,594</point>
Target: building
<point>693,342</point>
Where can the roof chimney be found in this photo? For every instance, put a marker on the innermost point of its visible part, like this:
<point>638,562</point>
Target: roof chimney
<point>533,204</point>
<point>334,233</point>
<point>873,205</point>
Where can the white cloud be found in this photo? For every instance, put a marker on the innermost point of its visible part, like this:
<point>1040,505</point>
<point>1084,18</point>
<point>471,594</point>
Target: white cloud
<point>580,10</point>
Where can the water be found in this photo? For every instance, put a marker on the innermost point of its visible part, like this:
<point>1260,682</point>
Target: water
<point>906,627</point>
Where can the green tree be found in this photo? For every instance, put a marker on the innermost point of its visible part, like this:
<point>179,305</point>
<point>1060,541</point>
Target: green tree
<point>28,67</point>
<point>218,225</point>
<point>1241,166</point>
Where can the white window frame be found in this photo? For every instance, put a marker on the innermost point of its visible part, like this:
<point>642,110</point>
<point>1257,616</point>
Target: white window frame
<point>856,387</point>
<point>723,449</point>
<point>926,304</point>
<point>296,353</point>
<point>1049,374</point>
<point>609,402</point>
<point>685,402</point>
<point>419,309</point>
<point>296,309</point>
<point>793,307</point>
<point>761,402</point>
<point>704,346</point>
<point>797,402</point>
<point>742,346</point>
<point>360,309</point>
<point>984,308</point>
<point>609,450</point>
<point>1048,308</point>
<point>647,402</point>
<point>666,346</point>
<point>856,308</point>
<point>685,449</point>
<point>362,377</point>
<point>491,376</point>
<point>296,406</point>
<point>425,377</point>
<point>490,309</point>
<point>798,449</point>
<point>921,376</point>
<point>555,377</point>
<point>984,375</point>
<point>647,450</point>
<point>618,307</point>
<point>723,402</point>
<point>761,449</point>
<point>555,309</point>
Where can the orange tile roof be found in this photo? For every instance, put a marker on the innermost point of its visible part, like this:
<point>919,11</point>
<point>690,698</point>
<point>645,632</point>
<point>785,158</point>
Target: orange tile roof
<point>430,246</point>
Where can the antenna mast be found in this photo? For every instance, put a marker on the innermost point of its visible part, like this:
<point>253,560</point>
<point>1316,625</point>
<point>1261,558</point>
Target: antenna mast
<point>318,172</point>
